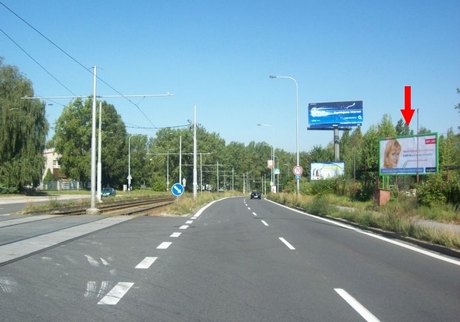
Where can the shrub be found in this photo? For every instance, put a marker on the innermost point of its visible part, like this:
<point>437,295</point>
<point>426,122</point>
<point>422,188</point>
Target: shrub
<point>433,191</point>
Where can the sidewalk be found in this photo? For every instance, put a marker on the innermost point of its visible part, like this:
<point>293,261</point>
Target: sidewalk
<point>6,199</point>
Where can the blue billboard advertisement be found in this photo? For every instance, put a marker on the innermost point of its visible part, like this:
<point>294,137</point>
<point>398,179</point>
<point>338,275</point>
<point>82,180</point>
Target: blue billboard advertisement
<point>322,116</point>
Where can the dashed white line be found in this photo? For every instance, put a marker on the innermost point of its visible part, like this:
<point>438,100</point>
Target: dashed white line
<point>164,245</point>
<point>254,213</point>
<point>116,294</point>
<point>175,234</point>
<point>263,222</point>
<point>188,222</point>
<point>183,227</point>
<point>287,243</point>
<point>368,316</point>
<point>146,263</point>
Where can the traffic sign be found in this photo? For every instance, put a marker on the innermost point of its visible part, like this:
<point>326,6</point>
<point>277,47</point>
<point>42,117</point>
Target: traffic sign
<point>177,189</point>
<point>297,170</point>
<point>297,177</point>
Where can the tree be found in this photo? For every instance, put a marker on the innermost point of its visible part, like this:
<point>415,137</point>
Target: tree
<point>402,129</point>
<point>23,130</point>
<point>72,140</point>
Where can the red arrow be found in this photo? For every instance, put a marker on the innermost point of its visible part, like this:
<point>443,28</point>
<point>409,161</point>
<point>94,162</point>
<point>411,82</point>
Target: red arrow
<point>407,112</point>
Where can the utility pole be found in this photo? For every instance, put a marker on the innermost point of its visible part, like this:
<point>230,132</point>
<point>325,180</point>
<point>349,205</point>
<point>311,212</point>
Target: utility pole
<point>93,209</point>
<point>194,155</point>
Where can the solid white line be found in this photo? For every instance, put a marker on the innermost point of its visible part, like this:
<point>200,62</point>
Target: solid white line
<point>175,234</point>
<point>5,215</point>
<point>286,243</point>
<point>183,227</point>
<point>116,294</point>
<point>203,209</point>
<point>146,263</point>
<point>263,222</point>
<point>415,249</point>
<point>164,245</point>
<point>254,213</point>
<point>368,316</point>
<point>188,222</point>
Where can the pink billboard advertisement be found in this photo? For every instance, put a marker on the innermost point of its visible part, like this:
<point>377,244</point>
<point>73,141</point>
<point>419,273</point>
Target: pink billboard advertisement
<point>409,155</point>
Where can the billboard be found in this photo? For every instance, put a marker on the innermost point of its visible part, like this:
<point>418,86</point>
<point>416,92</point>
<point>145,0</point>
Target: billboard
<point>325,116</point>
<point>326,170</point>
<point>403,156</point>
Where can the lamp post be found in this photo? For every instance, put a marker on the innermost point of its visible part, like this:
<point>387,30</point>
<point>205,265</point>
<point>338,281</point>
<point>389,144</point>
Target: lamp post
<point>297,120</point>
<point>273,153</point>
<point>99,161</point>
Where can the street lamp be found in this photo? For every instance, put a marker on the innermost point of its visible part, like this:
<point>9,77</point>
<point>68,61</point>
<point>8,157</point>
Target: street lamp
<point>297,120</point>
<point>273,154</point>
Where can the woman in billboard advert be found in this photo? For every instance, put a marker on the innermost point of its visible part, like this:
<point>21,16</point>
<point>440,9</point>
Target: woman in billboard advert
<point>392,152</point>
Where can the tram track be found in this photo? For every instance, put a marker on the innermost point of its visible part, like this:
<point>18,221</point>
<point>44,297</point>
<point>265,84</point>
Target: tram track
<point>41,223</point>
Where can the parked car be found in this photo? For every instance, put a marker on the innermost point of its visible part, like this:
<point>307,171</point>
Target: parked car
<point>107,192</point>
<point>256,195</point>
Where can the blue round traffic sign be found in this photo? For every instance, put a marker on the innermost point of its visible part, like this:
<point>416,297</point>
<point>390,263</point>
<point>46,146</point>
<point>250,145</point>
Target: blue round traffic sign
<point>177,189</point>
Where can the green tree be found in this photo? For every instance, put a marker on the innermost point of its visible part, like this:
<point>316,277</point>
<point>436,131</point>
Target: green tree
<point>72,140</point>
<point>402,129</point>
<point>23,130</point>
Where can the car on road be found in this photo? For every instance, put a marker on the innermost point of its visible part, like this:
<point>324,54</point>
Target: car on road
<point>107,192</point>
<point>256,195</point>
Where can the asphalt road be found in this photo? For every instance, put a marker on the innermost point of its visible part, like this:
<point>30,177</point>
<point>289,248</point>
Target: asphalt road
<point>236,260</point>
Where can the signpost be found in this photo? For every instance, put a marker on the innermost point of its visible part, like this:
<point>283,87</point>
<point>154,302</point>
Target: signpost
<point>177,189</point>
<point>297,170</point>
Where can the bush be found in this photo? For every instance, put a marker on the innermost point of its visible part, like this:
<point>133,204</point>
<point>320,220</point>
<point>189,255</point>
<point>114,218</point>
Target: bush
<point>433,191</point>
<point>322,187</point>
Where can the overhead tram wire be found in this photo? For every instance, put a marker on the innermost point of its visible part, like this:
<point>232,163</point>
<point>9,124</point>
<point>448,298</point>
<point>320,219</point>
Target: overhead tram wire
<point>41,66</point>
<point>76,61</point>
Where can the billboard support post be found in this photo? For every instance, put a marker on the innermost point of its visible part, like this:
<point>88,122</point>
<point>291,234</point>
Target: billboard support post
<point>336,144</point>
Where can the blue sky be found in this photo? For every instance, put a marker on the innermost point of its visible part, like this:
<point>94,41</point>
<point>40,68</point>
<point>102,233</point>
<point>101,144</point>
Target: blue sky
<point>218,55</point>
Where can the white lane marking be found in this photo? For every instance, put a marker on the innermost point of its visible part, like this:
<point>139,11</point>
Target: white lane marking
<point>198,214</point>
<point>193,218</point>
<point>254,213</point>
<point>188,222</point>
<point>263,222</point>
<point>146,263</point>
<point>164,245</point>
<point>4,215</point>
<point>104,287</point>
<point>116,294</point>
<point>183,227</point>
<point>106,263</point>
<point>175,234</point>
<point>415,249</point>
<point>368,316</point>
<point>249,208</point>
<point>92,261</point>
<point>287,243</point>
